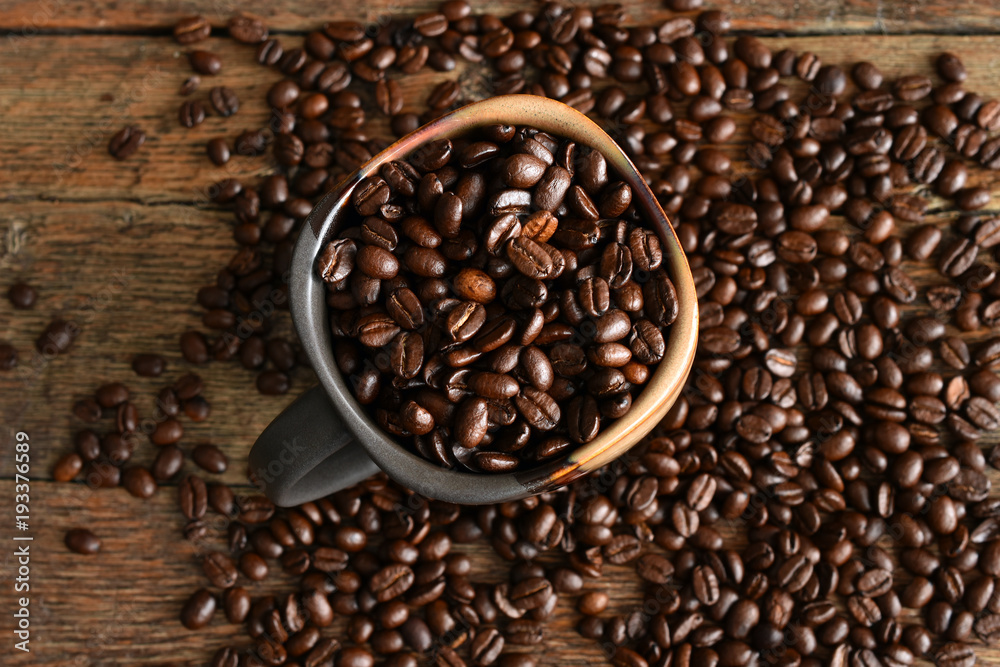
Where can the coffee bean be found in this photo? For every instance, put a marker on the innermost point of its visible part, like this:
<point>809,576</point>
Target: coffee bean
<point>247,29</point>
<point>8,357</point>
<point>205,62</point>
<point>139,482</point>
<point>224,101</point>
<point>194,347</point>
<point>82,541</point>
<point>531,593</point>
<point>253,566</point>
<point>867,75</point>
<point>22,296</point>
<point>523,170</point>
<point>67,467</point>
<point>125,142</point>
<point>198,610</point>
<point>391,581</point>
<point>190,85</point>
<point>149,365</point>
<point>220,570</point>
<point>912,87</point>
<point>950,67</point>
<point>955,655</point>
<point>191,113</point>
<point>530,258</point>
<point>193,497</point>
<point>209,458</point>
<point>192,29</point>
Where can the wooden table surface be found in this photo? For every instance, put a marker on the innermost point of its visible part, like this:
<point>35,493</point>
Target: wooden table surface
<point>121,248</point>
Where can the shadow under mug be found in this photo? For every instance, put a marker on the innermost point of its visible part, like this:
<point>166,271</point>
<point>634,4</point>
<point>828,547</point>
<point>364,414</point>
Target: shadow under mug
<point>326,441</point>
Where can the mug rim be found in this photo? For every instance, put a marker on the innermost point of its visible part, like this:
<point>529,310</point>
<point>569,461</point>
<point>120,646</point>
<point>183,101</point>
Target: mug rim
<point>310,315</point>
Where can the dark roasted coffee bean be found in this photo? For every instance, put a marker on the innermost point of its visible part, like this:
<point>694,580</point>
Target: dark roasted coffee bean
<point>205,62</point>
<point>149,365</point>
<point>22,296</point>
<point>193,497</point>
<point>224,101</point>
<point>220,569</point>
<point>139,482</point>
<point>210,458</point>
<point>191,29</point>
<point>125,142</point>
<point>198,610</point>
<point>82,541</point>
<point>247,29</point>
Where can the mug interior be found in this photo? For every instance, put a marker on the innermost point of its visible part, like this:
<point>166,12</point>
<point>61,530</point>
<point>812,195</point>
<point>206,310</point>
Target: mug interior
<point>311,315</point>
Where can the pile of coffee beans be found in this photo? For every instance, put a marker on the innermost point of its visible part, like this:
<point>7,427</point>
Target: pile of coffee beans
<point>482,283</point>
<point>847,371</point>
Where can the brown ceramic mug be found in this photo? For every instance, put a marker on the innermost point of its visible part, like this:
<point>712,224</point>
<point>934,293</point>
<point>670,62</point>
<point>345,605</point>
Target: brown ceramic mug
<point>325,441</point>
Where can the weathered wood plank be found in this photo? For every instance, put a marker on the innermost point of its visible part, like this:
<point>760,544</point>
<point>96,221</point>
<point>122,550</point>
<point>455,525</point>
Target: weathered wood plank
<point>24,18</point>
<point>123,255</point>
<point>58,119</point>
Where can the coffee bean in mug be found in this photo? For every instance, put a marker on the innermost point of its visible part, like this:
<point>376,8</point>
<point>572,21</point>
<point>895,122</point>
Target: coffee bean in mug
<point>447,377</point>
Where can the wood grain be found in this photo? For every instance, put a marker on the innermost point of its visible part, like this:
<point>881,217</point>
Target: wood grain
<point>29,17</point>
<point>121,248</point>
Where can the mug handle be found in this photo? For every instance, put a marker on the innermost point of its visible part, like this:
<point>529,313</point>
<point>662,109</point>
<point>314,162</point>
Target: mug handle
<point>307,452</point>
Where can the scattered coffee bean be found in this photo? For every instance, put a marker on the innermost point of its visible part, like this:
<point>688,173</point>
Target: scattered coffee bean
<point>224,101</point>
<point>82,541</point>
<point>205,62</point>
<point>198,610</point>
<point>192,29</point>
<point>247,29</point>
<point>22,296</point>
<point>149,365</point>
<point>8,357</point>
<point>125,142</point>
<point>210,458</point>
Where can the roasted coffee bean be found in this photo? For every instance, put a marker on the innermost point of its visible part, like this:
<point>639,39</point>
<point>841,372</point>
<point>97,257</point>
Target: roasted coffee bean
<point>205,62</point>
<point>247,29</point>
<point>198,610</point>
<point>8,357</point>
<point>210,458</point>
<point>125,142</point>
<point>22,296</point>
<point>193,497</point>
<point>192,29</point>
<point>139,482</point>
<point>391,581</point>
<point>955,655</point>
<point>149,365</point>
<point>220,570</point>
<point>82,541</point>
<point>224,101</point>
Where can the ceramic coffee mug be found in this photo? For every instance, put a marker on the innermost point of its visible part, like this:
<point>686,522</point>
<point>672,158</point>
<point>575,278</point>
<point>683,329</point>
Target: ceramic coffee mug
<point>325,441</point>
